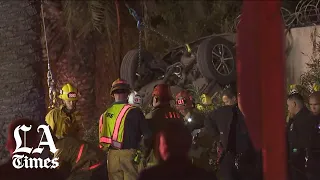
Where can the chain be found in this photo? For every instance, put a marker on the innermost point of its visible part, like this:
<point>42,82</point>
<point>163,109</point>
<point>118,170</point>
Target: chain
<point>141,25</point>
<point>50,81</point>
<point>139,51</point>
<point>162,35</point>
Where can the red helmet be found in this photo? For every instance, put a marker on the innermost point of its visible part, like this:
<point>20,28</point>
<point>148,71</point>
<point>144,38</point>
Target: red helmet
<point>119,84</point>
<point>162,91</point>
<point>184,100</point>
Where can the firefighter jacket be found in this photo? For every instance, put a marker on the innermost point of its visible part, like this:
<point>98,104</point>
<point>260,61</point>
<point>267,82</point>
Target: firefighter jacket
<point>77,155</point>
<point>63,124</point>
<point>115,120</point>
<point>158,117</point>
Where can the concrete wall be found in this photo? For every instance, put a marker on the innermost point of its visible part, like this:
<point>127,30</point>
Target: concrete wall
<point>300,44</point>
<point>299,50</point>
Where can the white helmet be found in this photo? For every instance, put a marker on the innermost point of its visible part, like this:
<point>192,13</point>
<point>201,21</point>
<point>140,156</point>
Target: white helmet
<point>135,99</point>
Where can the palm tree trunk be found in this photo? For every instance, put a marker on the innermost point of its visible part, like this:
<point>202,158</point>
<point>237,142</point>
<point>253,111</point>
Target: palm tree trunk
<point>20,65</point>
<point>77,68</point>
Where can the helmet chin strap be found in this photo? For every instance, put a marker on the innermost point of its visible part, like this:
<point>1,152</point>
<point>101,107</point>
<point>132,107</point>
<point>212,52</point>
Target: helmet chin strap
<point>121,100</point>
<point>68,111</point>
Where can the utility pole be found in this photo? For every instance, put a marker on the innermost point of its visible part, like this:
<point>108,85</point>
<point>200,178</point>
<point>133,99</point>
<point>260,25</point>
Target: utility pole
<point>261,82</point>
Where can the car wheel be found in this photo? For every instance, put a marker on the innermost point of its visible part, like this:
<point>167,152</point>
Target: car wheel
<point>129,67</point>
<point>216,60</point>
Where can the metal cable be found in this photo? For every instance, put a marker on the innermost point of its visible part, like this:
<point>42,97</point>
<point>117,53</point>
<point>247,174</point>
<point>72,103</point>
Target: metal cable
<point>50,80</point>
<point>140,48</point>
<point>46,41</point>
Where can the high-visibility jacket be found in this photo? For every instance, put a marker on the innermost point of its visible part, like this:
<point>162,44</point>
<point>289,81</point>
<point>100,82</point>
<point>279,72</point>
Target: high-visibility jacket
<point>63,125</point>
<point>111,126</point>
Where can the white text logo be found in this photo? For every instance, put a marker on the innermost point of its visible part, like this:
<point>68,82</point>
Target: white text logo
<point>20,160</point>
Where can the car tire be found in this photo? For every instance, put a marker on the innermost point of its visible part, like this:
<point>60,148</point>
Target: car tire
<point>208,61</point>
<point>129,65</point>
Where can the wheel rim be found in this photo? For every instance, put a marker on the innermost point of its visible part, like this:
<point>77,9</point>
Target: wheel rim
<point>222,59</point>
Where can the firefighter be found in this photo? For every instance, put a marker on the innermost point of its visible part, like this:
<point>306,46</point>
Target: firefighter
<point>174,143</point>
<point>80,160</point>
<point>161,109</point>
<point>161,113</point>
<point>203,150</point>
<point>186,106</point>
<point>121,127</point>
<point>65,120</point>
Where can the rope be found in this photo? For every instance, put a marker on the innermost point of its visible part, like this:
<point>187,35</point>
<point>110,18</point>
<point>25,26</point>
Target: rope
<point>50,81</point>
<point>119,30</point>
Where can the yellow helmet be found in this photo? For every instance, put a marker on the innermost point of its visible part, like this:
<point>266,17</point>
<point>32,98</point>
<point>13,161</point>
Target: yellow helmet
<point>68,92</point>
<point>205,99</point>
<point>293,88</point>
<point>316,87</point>
<point>200,107</point>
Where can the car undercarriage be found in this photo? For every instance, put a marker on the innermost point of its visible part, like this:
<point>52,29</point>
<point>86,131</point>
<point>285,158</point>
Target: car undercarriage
<point>206,65</point>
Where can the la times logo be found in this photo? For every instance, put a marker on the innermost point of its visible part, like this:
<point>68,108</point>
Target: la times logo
<point>22,160</point>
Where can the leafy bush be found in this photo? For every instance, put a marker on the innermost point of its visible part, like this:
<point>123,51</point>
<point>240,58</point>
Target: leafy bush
<point>311,79</point>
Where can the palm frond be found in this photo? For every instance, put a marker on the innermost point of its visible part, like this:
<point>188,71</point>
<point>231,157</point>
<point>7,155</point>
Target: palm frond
<point>102,14</point>
<point>97,10</point>
<point>110,15</point>
<point>74,13</point>
<point>83,17</point>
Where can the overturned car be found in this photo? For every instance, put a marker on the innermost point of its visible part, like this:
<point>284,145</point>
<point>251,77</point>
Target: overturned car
<point>207,64</point>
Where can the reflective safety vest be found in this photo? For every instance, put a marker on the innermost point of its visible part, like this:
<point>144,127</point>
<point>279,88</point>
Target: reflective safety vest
<point>111,126</point>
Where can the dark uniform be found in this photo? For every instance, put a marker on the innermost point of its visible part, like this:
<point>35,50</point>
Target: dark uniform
<point>238,158</point>
<point>177,165</point>
<point>157,119</point>
<point>194,120</point>
<point>80,160</point>
<point>300,130</point>
<point>176,169</point>
<point>313,164</point>
<point>203,149</point>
